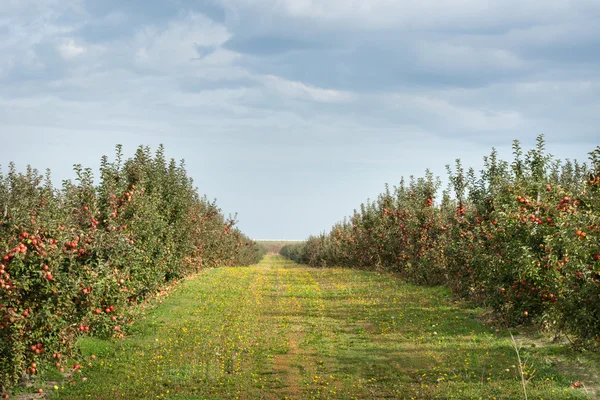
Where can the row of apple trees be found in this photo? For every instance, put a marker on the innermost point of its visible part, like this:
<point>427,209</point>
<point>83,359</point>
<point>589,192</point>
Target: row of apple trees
<point>520,237</point>
<point>77,260</point>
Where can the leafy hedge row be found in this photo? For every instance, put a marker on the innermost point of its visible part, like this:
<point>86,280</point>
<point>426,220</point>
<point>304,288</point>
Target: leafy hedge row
<point>521,237</point>
<point>76,260</point>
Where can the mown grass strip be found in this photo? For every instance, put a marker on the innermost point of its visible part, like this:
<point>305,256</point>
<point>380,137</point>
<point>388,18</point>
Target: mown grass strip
<point>279,330</point>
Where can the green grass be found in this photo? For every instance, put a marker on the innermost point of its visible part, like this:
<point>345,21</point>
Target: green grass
<point>279,330</point>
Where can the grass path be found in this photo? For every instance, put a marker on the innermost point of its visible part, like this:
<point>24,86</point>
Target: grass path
<point>279,330</point>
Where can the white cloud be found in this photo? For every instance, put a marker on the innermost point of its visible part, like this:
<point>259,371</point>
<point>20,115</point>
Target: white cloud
<point>424,14</point>
<point>459,57</point>
<point>69,49</point>
<point>177,45</point>
<point>29,27</point>
<point>299,90</point>
<point>438,114</point>
<point>564,32</point>
<point>553,88</point>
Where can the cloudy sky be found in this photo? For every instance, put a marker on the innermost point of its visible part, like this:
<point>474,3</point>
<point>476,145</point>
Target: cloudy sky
<point>293,112</point>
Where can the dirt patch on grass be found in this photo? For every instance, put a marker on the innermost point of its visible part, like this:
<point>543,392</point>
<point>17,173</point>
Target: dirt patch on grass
<point>584,367</point>
<point>29,396</point>
<point>286,365</point>
<point>589,378</point>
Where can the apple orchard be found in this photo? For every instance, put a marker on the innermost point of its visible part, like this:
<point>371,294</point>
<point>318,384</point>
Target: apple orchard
<point>521,238</point>
<point>83,259</point>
